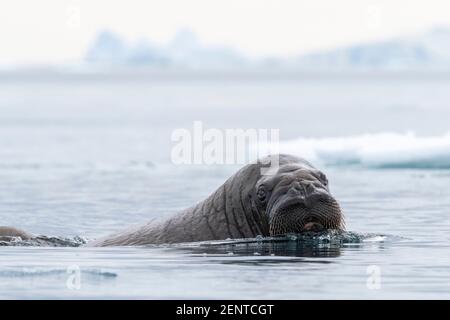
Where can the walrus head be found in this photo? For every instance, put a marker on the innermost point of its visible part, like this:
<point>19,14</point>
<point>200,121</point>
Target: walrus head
<point>297,199</point>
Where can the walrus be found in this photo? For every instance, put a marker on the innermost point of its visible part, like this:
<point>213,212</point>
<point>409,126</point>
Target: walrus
<point>294,198</point>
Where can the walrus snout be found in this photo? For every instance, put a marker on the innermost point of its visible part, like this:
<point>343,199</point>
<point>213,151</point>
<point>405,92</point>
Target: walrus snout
<point>296,217</point>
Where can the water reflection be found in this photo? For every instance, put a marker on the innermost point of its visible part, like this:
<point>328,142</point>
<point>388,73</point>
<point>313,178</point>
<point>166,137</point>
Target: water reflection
<point>309,245</point>
<point>326,244</point>
<point>273,249</point>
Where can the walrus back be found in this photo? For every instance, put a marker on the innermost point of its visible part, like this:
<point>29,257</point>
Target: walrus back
<point>226,213</point>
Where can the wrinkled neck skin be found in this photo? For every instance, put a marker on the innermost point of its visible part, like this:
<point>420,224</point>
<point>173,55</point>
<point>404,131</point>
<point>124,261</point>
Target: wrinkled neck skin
<point>228,213</point>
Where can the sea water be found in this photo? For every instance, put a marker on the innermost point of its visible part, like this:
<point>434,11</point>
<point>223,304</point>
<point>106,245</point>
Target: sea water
<point>83,157</point>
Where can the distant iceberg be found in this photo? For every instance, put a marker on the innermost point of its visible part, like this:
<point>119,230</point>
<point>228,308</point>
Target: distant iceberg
<point>430,51</point>
<point>109,49</point>
<point>380,150</point>
<point>183,51</point>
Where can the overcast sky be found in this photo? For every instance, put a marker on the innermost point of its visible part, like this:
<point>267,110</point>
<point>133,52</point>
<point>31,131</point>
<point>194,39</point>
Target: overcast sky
<point>55,31</point>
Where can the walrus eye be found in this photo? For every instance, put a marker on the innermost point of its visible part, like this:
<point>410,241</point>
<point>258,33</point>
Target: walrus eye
<point>261,194</point>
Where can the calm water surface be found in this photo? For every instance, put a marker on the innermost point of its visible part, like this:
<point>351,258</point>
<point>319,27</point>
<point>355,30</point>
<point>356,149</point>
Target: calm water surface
<point>88,158</point>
